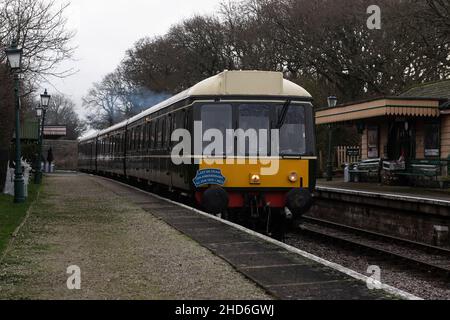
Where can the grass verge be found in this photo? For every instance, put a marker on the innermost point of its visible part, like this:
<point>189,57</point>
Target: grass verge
<point>12,215</point>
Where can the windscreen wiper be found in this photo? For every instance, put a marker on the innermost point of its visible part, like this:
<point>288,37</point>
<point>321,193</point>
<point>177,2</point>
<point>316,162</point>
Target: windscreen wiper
<point>283,115</point>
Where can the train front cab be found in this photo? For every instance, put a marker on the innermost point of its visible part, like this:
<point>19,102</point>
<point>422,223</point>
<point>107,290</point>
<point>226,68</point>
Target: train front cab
<point>247,189</point>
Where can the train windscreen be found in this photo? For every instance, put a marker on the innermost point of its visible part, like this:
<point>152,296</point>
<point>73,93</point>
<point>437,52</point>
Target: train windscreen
<point>254,116</point>
<point>293,132</point>
<point>294,122</point>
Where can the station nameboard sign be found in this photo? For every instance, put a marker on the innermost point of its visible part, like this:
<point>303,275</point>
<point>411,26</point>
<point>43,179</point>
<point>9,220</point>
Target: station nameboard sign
<point>353,152</point>
<point>59,131</point>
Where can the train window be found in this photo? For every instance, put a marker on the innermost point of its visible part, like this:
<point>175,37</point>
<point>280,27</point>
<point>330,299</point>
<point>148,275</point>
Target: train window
<point>130,137</point>
<point>145,139</point>
<point>151,135</point>
<point>155,134</point>
<point>256,117</point>
<point>163,131</point>
<point>218,117</point>
<point>168,133</point>
<point>293,132</point>
<point>179,119</point>
<point>143,129</point>
<point>138,138</point>
<point>159,133</point>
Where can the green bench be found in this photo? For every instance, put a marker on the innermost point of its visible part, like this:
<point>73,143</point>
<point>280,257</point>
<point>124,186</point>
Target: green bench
<point>365,170</point>
<point>421,170</point>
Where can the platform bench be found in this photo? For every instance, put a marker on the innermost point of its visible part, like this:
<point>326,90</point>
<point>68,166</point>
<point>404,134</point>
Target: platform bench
<point>365,169</point>
<point>421,169</point>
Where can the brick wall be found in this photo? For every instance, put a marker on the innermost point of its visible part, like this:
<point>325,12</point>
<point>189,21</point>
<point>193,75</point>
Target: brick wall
<point>65,153</point>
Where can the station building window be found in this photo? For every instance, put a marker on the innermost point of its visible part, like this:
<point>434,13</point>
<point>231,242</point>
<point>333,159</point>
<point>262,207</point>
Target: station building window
<point>432,139</point>
<point>373,142</point>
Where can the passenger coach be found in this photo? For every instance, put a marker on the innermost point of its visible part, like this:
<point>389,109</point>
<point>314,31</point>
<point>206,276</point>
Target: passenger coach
<point>140,148</point>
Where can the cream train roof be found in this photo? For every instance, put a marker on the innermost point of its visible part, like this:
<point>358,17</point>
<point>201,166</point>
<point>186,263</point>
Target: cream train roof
<point>227,83</point>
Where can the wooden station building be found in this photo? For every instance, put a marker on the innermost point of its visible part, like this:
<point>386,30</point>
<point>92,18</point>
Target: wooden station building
<point>415,125</point>
<point>412,128</point>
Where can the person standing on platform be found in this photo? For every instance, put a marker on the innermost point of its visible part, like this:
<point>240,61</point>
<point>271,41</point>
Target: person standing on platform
<point>50,159</point>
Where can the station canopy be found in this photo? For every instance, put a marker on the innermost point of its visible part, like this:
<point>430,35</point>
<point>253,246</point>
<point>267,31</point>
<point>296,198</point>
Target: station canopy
<point>396,106</point>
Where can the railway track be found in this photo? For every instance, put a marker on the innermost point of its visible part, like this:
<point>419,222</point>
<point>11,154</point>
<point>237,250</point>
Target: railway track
<point>419,255</point>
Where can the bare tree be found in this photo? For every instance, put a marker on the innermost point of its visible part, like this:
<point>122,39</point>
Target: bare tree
<point>40,28</point>
<point>439,15</point>
<point>104,103</point>
<point>115,99</point>
<point>62,112</point>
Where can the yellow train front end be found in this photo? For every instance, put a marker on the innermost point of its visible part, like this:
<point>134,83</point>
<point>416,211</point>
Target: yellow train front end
<point>281,185</point>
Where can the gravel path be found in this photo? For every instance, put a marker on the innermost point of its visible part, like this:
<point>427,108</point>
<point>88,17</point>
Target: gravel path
<point>123,252</point>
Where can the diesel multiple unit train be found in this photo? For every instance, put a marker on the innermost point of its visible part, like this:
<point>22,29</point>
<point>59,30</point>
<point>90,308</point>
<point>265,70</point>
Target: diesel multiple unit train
<point>241,143</point>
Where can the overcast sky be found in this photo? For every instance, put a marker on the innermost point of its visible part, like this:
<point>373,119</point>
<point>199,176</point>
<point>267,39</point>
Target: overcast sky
<point>107,28</point>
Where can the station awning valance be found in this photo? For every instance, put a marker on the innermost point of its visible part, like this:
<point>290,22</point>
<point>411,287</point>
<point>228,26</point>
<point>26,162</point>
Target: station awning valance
<point>379,108</point>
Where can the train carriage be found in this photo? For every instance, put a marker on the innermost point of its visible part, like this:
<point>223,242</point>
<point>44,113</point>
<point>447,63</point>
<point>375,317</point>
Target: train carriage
<point>236,178</point>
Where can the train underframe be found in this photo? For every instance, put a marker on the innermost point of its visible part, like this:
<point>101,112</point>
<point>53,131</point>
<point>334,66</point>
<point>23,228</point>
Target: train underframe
<point>267,211</point>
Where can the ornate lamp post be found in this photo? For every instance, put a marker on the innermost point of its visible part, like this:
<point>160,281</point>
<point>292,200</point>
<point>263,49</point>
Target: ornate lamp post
<point>41,111</point>
<point>14,55</point>
<point>332,102</point>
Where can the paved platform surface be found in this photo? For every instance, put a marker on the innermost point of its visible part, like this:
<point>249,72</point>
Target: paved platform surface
<point>399,191</point>
<point>123,251</point>
<point>284,274</point>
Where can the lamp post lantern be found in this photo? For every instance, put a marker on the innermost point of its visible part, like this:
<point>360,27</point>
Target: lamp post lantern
<point>332,103</point>
<point>14,55</point>
<point>41,111</point>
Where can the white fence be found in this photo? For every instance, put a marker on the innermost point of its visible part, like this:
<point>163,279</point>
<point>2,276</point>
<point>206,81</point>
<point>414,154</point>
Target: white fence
<point>347,154</point>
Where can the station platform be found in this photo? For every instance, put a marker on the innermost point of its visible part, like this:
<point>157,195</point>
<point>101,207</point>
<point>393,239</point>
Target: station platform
<point>416,214</point>
<point>438,195</point>
<point>130,244</point>
<point>284,272</point>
